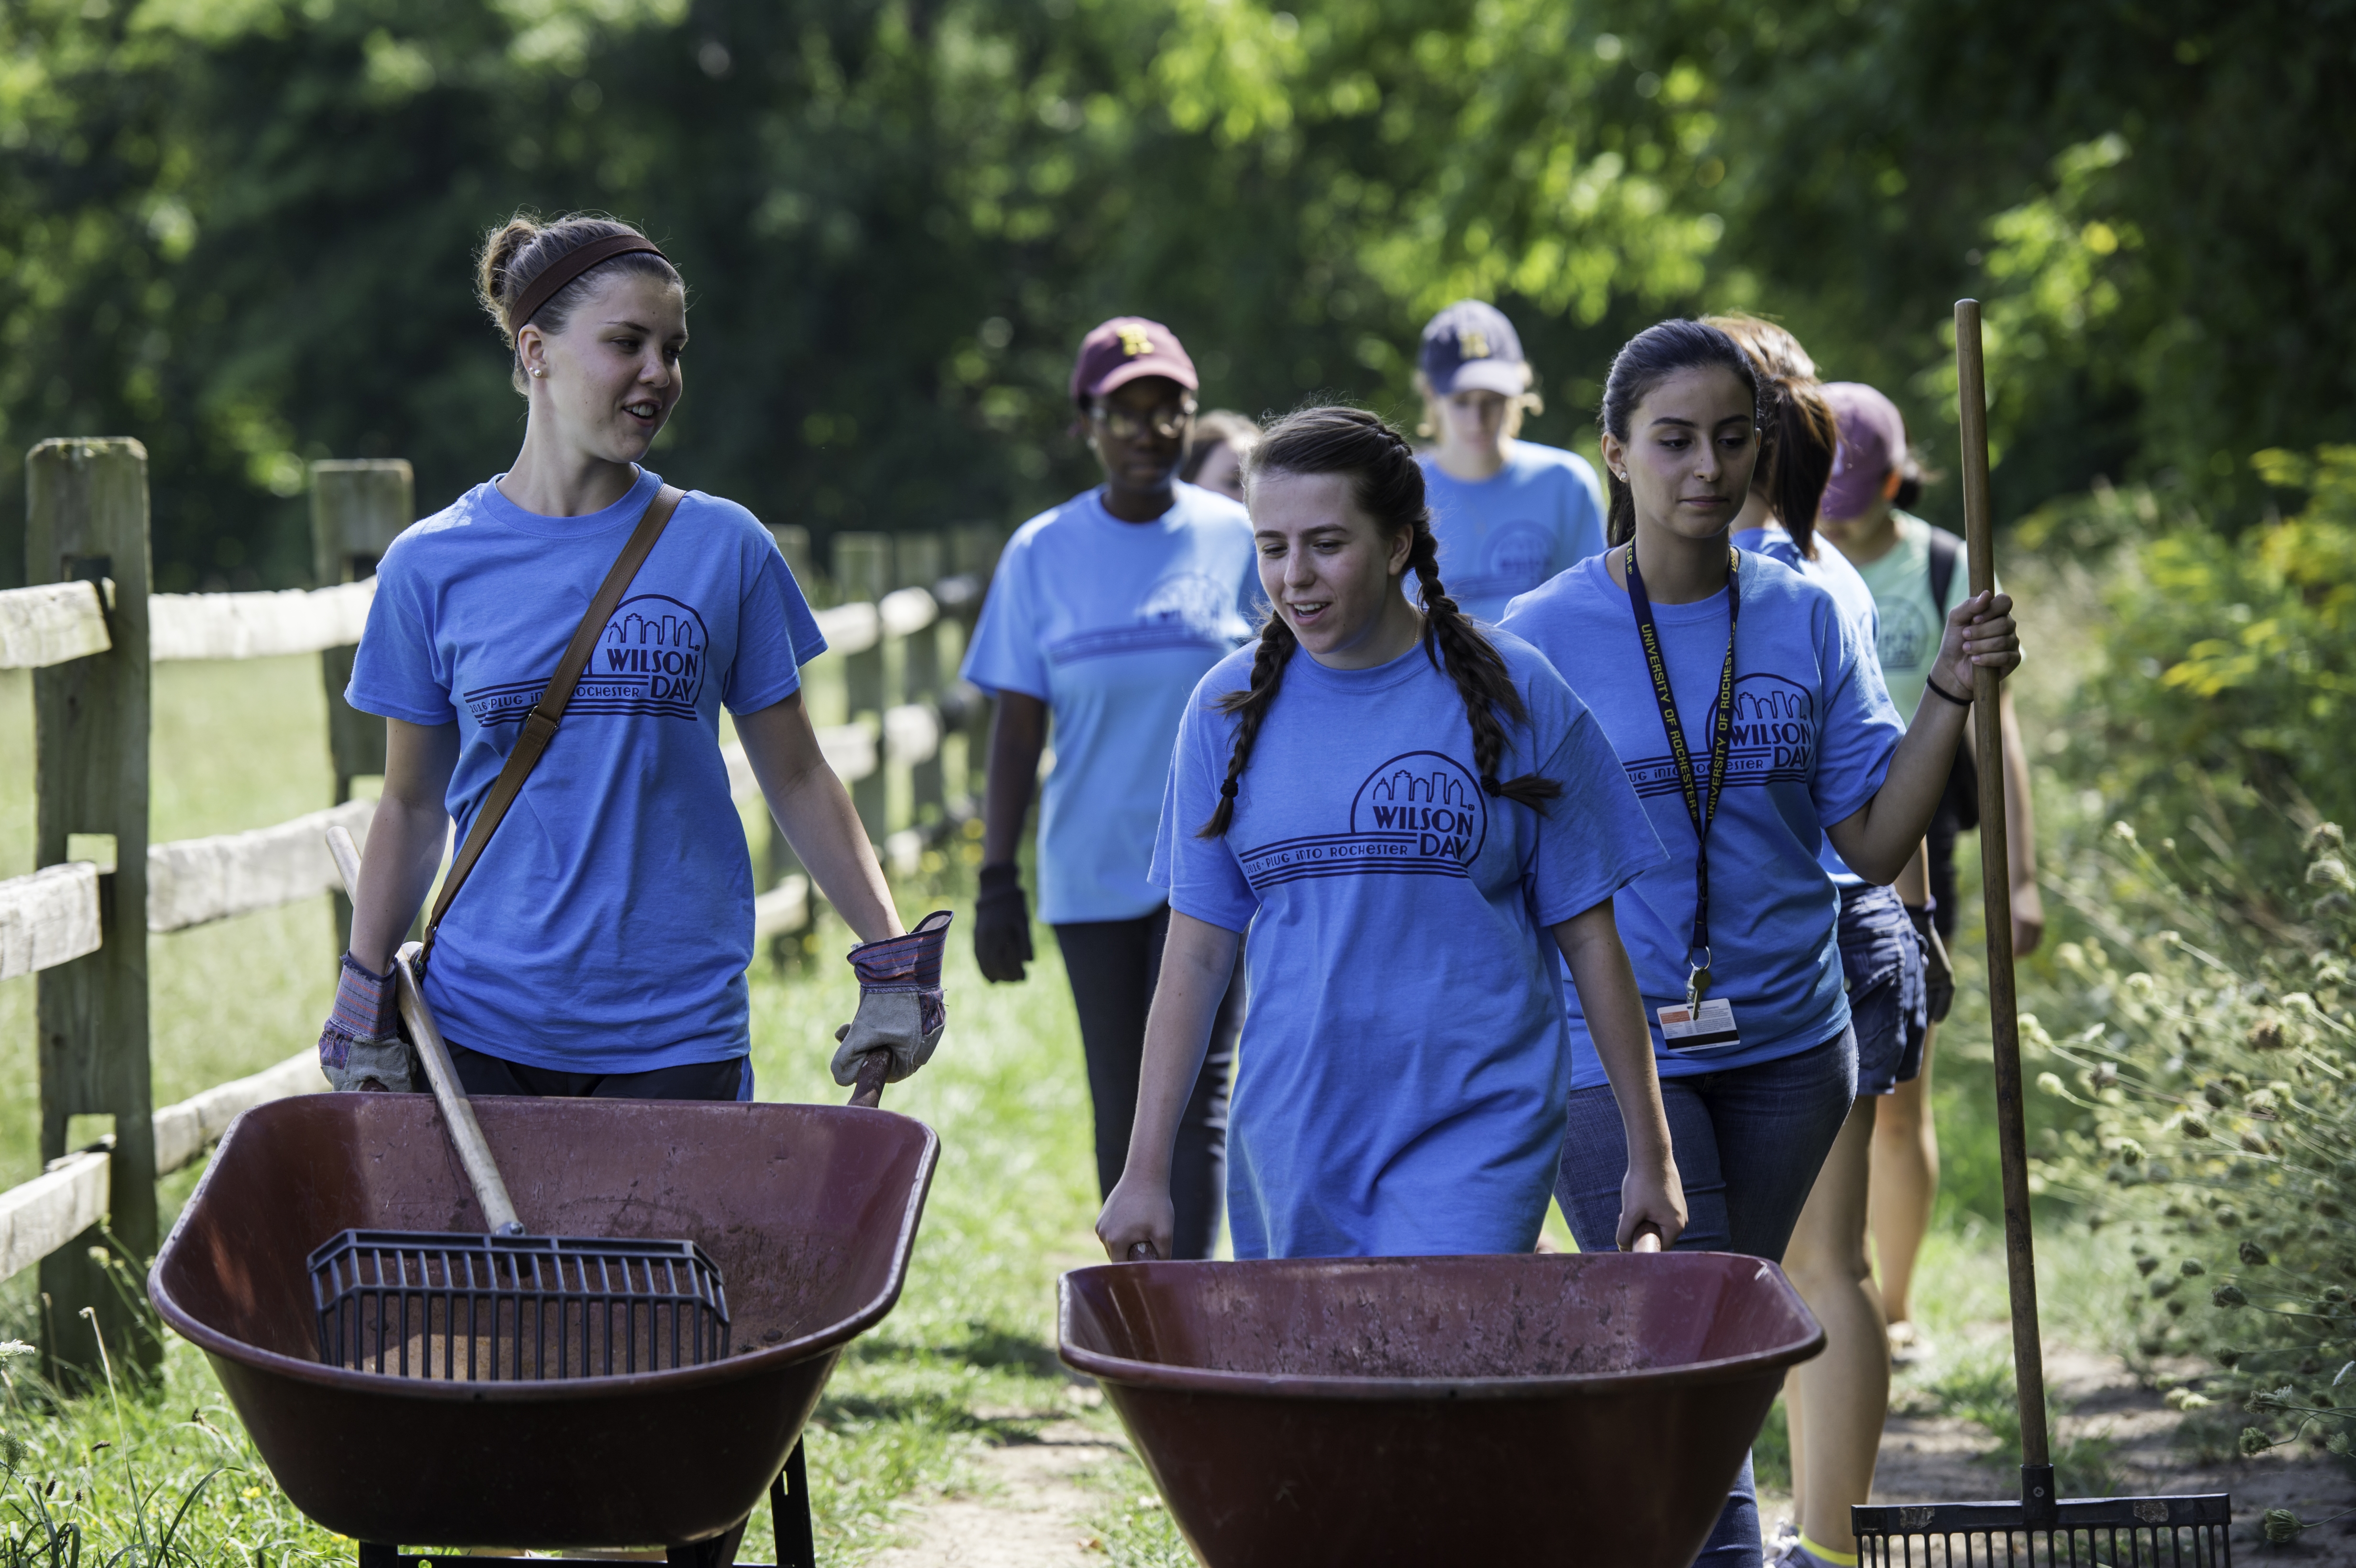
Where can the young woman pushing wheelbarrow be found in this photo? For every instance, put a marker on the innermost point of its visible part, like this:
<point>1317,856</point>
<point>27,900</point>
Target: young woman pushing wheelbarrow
<point>601,945</point>
<point>1415,821</point>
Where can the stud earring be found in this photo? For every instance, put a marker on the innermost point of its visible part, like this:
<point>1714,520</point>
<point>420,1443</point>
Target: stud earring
<point>539,371</point>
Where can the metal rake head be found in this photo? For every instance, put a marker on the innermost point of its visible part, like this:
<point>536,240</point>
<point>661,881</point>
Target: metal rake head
<point>464,1307</point>
<point>2082,1533</point>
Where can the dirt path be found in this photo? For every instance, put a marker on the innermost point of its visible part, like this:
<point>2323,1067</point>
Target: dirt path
<point>1025,1510</point>
<point>1028,1505</point>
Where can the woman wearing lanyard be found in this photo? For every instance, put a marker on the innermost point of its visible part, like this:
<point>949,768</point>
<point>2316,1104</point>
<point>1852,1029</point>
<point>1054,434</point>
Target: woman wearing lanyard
<point>1103,613</point>
<point>1508,514</point>
<point>1752,723</point>
<point>1415,822</point>
<point>1836,1403</point>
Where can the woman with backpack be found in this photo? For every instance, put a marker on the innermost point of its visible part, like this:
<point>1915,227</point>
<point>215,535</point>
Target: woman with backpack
<point>1917,574</point>
<point>1407,822</point>
<point>600,944</point>
<point>1754,724</point>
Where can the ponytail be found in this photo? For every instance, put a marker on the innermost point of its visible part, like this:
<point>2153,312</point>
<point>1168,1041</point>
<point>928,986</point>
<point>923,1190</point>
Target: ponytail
<point>1801,432</point>
<point>1388,484</point>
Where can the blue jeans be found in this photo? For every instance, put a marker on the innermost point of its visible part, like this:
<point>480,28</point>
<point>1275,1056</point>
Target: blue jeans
<point>1888,1008</point>
<point>1748,1142</point>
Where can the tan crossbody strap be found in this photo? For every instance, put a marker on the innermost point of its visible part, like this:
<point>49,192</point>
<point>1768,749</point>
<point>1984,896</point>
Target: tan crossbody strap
<point>539,725</point>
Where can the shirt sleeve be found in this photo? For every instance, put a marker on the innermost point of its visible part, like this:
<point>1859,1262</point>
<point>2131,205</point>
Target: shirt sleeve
<point>1861,728</point>
<point>1006,653</point>
<point>775,633</point>
<point>1202,876</point>
<point>1594,838</point>
<point>396,672</point>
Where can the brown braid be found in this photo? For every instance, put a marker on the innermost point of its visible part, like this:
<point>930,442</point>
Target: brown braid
<point>1388,484</point>
<point>1250,706</point>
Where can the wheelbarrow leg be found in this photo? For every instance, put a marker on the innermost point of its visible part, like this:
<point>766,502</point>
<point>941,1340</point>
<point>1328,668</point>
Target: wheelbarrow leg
<point>790,1510</point>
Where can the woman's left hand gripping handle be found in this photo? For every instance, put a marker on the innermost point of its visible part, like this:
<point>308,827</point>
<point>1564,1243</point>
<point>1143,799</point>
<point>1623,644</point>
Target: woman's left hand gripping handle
<point>362,1046</point>
<point>902,1009</point>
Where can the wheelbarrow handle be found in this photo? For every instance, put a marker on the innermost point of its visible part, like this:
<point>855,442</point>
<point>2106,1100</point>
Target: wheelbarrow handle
<point>425,1036</point>
<point>873,1067</point>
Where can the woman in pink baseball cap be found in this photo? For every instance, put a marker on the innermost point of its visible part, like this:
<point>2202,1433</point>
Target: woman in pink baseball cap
<point>1104,613</point>
<point>1918,573</point>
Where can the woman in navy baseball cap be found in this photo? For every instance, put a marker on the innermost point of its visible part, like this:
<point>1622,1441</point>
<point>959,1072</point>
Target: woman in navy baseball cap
<point>1509,514</point>
<point>1104,613</point>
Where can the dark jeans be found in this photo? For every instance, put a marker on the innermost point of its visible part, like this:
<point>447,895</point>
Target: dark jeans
<point>481,1075</point>
<point>1748,1142</point>
<point>1114,965</point>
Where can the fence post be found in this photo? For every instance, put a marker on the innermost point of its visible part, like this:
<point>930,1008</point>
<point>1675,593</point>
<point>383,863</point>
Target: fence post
<point>919,557</point>
<point>863,572</point>
<point>86,517</point>
<point>357,509</point>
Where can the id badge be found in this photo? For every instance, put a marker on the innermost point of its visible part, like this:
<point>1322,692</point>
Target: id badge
<point>1709,1027</point>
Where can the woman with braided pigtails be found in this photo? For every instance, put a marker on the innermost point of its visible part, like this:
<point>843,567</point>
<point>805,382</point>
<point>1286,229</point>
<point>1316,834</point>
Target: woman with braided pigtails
<point>1409,822</point>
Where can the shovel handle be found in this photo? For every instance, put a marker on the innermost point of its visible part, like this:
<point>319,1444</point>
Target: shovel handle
<point>458,1111</point>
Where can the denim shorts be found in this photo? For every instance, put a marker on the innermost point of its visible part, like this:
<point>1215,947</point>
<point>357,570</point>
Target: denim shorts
<point>1888,1006</point>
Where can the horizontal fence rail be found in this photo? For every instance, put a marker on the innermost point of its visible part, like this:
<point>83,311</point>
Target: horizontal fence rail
<point>50,624</point>
<point>81,926</point>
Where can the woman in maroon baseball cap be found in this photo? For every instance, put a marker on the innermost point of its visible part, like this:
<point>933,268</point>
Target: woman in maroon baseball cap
<point>1104,613</point>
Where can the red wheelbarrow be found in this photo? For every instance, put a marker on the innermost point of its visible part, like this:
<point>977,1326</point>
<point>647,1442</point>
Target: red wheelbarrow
<point>809,1211</point>
<point>1575,1409</point>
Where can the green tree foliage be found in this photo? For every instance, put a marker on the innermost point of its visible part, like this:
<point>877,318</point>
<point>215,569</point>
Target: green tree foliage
<point>2228,675</point>
<point>240,229</point>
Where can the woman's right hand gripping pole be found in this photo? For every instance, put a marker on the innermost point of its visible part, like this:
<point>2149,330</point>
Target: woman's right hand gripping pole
<point>1138,1219</point>
<point>1652,1199</point>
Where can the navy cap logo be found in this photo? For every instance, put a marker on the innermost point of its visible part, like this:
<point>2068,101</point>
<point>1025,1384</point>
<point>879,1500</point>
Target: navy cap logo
<point>1473,345</point>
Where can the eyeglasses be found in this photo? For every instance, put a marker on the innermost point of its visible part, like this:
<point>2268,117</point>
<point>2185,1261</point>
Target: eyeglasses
<point>1169,420</point>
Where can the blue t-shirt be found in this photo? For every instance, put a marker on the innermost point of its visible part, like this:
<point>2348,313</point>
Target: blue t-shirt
<point>1110,625</point>
<point>1399,1089</point>
<point>607,926</point>
<point>1540,515</point>
<point>1813,735</point>
<point>1833,572</point>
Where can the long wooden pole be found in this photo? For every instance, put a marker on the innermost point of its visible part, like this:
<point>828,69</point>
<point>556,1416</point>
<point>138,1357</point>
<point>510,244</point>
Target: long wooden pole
<point>1995,894</point>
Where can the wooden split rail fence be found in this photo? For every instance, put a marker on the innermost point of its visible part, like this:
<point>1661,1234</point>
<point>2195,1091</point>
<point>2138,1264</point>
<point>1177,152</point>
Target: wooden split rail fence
<point>90,630</point>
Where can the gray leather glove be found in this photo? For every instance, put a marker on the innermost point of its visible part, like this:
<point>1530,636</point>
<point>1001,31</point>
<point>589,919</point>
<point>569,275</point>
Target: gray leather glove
<point>901,1007</point>
<point>362,1046</point>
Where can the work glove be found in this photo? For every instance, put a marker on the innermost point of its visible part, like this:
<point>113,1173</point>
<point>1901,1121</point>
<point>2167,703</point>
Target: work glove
<point>1002,924</point>
<point>362,1046</point>
<point>1938,972</point>
<point>901,1008</point>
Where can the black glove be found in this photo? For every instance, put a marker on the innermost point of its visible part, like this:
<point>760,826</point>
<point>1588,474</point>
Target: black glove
<point>1002,924</point>
<point>1938,972</point>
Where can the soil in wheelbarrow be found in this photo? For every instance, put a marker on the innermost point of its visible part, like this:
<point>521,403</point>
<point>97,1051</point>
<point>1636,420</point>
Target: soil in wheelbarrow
<point>1422,1409</point>
<point>809,1210</point>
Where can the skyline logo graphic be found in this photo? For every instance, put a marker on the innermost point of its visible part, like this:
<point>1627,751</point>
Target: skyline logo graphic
<point>651,658</point>
<point>1418,814</point>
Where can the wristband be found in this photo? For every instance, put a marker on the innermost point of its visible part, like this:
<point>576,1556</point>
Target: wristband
<point>1933,685</point>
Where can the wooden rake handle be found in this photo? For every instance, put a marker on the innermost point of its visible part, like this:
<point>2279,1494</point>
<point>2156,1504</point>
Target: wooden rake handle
<point>458,1111</point>
<point>1995,894</point>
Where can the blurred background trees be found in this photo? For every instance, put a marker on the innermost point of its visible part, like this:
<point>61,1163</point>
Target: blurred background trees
<point>241,230</point>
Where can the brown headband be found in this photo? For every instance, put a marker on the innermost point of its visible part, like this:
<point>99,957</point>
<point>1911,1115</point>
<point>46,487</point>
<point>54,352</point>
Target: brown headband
<point>571,265</point>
